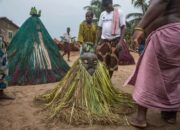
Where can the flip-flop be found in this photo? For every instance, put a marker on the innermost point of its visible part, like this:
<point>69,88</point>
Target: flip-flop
<point>138,125</point>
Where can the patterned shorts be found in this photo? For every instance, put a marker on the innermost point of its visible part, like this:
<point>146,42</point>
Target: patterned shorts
<point>107,52</point>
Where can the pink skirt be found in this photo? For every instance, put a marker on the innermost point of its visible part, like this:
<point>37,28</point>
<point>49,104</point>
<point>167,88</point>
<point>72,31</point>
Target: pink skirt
<point>157,75</point>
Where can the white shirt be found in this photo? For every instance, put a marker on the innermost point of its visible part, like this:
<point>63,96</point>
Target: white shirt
<point>67,38</point>
<point>105,21</point>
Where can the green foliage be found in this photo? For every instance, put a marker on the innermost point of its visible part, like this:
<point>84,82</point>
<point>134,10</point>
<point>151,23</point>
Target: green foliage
<point>34,12</point>
<point>96,7</point>
<point>88,47</point>
<point>134,18</point>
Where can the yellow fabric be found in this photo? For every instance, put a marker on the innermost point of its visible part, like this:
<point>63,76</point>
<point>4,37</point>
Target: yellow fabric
<point>87,33</point>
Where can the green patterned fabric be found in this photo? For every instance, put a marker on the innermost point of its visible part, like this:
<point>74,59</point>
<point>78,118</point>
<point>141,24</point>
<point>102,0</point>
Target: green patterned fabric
<point>33,56</point>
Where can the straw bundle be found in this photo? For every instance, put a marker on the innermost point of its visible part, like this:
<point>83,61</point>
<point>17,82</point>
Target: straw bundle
<point>81,98</point>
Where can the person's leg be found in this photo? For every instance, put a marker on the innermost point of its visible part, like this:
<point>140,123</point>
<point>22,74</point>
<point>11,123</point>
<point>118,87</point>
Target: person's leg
<point>68,51</point>
<point>64,53</point>
<point>65,49</point>
<point>140,119</point>
<point>68,55</point>
<point>110,73</point>
<point>169,116</point>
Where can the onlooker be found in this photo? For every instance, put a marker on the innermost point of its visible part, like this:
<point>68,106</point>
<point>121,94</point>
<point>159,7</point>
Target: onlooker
<point>111,31</point>
<point>87,30</point>
<point>67,41</point>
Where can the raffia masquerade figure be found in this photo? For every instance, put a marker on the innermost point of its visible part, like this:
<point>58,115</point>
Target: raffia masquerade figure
<point>33,56</point>
<point>86,95</point>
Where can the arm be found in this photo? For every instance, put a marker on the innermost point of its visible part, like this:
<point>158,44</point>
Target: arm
<point>155,9</point>
<point>123,28</point>
<point>99,29</point>
<point>98,34</point>
<point>80,34</point>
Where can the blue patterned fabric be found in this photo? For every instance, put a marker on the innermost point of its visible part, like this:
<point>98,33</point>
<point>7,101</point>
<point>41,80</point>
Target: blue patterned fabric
<point>3,65</point>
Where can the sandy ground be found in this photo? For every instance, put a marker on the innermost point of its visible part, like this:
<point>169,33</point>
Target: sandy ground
<point>22,114</point>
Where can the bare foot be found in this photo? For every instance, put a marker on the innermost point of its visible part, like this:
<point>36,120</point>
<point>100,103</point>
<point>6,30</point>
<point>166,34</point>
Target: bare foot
<point>138,123</point>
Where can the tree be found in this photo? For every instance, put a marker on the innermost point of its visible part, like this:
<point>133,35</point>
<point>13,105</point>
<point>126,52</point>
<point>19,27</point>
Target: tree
<point>96,7</point>
<point>134,18</point>
<point>140,4</point>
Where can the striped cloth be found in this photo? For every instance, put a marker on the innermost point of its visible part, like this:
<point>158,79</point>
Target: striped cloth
<point>115,22</point>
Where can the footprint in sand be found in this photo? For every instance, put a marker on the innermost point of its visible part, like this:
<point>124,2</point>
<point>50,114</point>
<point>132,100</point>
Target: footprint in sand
<point>5,102</point>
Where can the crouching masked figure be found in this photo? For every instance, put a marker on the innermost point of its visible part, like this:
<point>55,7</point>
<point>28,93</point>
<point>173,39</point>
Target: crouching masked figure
<point>86,95</point>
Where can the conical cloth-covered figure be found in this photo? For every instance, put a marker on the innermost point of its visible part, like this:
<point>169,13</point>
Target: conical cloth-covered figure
<point>86,95</point>
<point>33,56</point>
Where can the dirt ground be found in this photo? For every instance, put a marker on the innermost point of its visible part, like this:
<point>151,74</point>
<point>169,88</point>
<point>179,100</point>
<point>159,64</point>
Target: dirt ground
<point>21,114</point>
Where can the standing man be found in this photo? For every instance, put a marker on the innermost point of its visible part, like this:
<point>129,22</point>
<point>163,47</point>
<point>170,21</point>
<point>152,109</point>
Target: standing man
<point>67,41</point>
<point>3,69</point>
<point>157,76</point>
<point>111,32</point>
<point>87,30</point>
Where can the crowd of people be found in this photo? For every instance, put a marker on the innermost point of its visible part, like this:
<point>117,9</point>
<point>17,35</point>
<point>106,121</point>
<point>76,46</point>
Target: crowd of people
<point>156,78</point>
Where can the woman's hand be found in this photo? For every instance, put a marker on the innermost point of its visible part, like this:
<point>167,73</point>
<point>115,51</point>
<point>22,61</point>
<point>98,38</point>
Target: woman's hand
<point>137,37</point>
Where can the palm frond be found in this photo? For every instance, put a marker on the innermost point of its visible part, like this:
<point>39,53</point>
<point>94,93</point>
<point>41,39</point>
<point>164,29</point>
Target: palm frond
<point>116,5</point>
<point>134,15</point>
<point>87,7</point>
<point>135,21</point>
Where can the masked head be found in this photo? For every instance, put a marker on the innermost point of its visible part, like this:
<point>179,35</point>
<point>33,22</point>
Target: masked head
<point>89,58</point>
<point>89,61</point>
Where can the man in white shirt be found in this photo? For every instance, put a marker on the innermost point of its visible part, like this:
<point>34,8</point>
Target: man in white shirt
<point>67,41</point>
<point>111,30</point>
